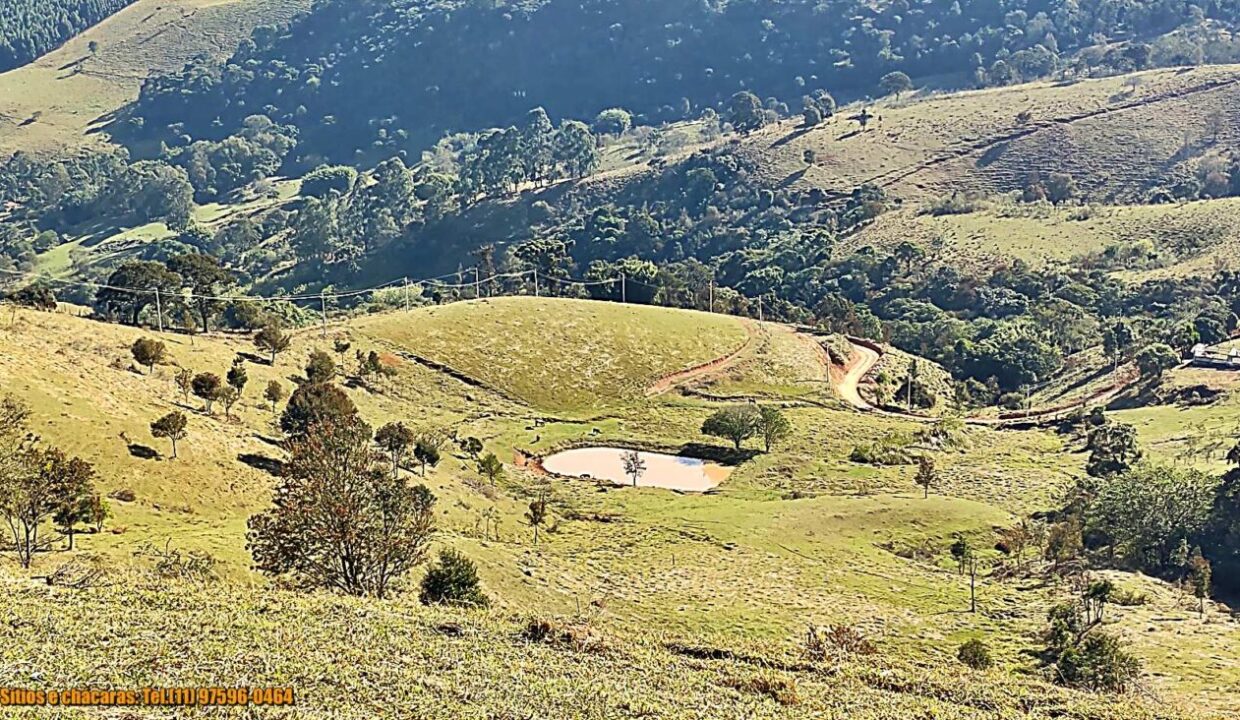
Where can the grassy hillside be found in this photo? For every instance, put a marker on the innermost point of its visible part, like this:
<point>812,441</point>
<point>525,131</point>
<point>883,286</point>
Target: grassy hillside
<point>798,536</point>
<point>67,95</point>
<point>1195,238</point>
<point>563,354</point>
<point>1115,137</point>
<point>361,659</point>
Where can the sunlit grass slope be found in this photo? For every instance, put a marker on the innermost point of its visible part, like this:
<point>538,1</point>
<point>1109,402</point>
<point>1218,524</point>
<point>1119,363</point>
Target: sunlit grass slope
<point>561,354</point>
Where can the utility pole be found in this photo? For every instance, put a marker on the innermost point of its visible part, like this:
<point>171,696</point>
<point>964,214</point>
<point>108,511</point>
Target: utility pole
<point>406,283</point>
<point>712,290</point>
<point>323,310</point>
<point>535,282</point>
<point>159,310</point>
<point>477,284</point>
<point>624,291</point>
<point>760,318</point>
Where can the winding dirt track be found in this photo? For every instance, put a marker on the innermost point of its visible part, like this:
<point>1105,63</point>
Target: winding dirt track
<point>706,369</point>
<point>865,358</point>
<point>859,365</point>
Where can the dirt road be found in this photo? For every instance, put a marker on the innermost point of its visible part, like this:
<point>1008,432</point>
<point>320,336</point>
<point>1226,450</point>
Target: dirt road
<point>862,361</point>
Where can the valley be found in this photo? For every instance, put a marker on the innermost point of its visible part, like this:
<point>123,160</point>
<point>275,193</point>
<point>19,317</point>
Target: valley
<point>617,359</point>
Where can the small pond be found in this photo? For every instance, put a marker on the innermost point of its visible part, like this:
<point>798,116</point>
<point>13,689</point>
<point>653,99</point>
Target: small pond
<point>670,472</point>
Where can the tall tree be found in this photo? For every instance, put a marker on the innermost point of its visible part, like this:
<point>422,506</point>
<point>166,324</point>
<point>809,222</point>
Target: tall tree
<point>339,519</point>
<point>172,427</point>
<point>133,287</point>
<point>207,280</point>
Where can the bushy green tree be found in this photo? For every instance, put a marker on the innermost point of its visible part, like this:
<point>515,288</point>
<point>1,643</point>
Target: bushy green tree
<point>326,179</point>
<point>320,367</point>
<point>149,353</point>
<point>272,339</point>
<point>773,425</point>
<point>1144,513</point>
<point>1155,359</point>
<point>207,386</point>
<point>172,427</point>
<point>896,83</point>
<point>1112,449</point>
<point>316,404</point>
<point>745,112</point>
<point>453,580</point>
<point>737,424</point>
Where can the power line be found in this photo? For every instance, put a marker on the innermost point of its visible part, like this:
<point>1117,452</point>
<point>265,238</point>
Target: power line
<point>260,298</point>
<point>322,297</point>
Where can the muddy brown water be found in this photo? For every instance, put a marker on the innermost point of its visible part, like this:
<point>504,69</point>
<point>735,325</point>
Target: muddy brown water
<point>670,472</point>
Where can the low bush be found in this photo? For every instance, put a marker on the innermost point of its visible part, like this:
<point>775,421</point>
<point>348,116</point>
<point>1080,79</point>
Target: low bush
<point>453,580</point>
<point>975,654</point>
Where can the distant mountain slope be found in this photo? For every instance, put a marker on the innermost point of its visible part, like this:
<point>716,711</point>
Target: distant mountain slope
<point>56,100</point>
<point>29,28</point>
<point>1118,137</point>
<point>367,77</point>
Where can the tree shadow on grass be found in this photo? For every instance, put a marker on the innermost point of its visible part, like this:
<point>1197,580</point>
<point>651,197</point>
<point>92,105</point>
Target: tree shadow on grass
<point>717,453</point>
<point>799,132</point>
<point>274,442</point>
<point>143,452</point>
<point>268,465</point>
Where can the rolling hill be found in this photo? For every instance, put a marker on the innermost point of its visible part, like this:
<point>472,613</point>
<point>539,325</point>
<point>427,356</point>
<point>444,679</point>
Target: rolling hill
<point>798,536</point>
<point>873,264</point>
<point>582,355</point>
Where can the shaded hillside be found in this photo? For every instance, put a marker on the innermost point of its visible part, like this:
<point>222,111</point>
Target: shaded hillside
<point>57,100</point>
<point>364,78</point>
<point>29,28</point>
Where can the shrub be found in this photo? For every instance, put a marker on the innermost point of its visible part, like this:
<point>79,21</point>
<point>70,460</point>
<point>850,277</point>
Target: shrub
<point>887,451</point>
<point>975,654</point>
<point>819,642</point>
<point>35,295</point>
<point>571,636</point>
<point>174,564</point>
<point>325,179</point>
<point>452,581</point>
<point>1099,663</point>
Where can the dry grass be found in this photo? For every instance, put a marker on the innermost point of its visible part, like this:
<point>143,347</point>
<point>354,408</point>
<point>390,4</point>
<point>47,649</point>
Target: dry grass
<point>583,355</point>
